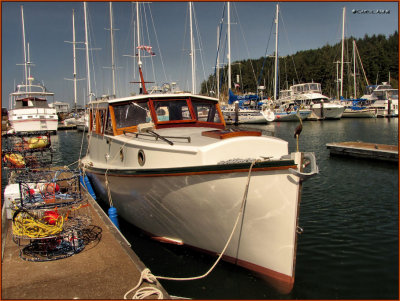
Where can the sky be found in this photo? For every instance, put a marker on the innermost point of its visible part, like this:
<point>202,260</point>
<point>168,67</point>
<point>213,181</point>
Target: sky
<point>165,27</point>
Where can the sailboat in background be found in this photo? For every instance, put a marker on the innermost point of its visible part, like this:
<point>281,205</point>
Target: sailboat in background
<point>30,109</point>
<point>243,109</point>
<point>172,169</point>
<point>284,109</point>
<point>354,108</point>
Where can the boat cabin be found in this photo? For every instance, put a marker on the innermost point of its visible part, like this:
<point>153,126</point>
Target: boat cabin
<point>117,116</point>
<point>30,96</point>
<point>306,88</point>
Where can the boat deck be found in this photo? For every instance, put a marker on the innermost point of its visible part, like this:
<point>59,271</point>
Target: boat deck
<point>365,150</point>
<point>104,269</point>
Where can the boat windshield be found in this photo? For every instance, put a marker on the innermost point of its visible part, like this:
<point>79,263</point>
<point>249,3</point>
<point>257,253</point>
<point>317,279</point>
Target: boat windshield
<point>164,112</point>
<point>131,114</point>
<point>172,110</point>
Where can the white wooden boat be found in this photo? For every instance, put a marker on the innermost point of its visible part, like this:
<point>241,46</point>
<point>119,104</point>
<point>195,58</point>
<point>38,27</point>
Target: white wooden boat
<point>171,168</point>
<point>182,180</point>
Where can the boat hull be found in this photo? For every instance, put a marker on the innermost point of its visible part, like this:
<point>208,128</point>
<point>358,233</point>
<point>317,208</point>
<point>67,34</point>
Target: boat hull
<point>198,208</point>
<point>245,117</point>
<point>362,113</point>
<point>33,120</point>
<point>292,116</point>
<point>328,112</point>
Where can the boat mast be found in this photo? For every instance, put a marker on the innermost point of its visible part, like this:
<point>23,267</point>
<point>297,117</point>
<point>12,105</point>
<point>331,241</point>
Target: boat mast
<point>354,68</point>
<point>192,50</point>
<point>229,48</point>
<point>341,68</point>
<point>24,44</point>
<point>142,86</point>
<point>112,51</point>
<point>74,57</point>
<point>217,62</point>
<point>87,54</point>
<point>276,52</point>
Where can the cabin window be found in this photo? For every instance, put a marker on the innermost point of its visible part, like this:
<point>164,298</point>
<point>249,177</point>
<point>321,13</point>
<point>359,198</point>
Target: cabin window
<point>205,111</point>
<point>172,110</point>
<point>131,114</point>
<point>100,121</point>
<point>109,129</point>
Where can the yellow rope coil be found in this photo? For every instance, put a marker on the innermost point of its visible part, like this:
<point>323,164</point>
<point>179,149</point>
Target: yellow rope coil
<point>36,228</point>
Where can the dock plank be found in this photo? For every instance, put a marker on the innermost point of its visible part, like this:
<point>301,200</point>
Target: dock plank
<point>106,270</point>
<point>365,150</point>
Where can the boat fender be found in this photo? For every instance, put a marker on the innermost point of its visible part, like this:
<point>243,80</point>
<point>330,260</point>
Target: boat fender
<point>112,214</point>
<point>85,182</point>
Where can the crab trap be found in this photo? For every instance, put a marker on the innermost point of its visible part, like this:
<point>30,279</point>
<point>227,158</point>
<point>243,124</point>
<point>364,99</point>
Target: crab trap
<point>26,152</point>
<point>49,214</point>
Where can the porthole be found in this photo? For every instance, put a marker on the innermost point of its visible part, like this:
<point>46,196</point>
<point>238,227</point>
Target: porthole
<point>141,157</point>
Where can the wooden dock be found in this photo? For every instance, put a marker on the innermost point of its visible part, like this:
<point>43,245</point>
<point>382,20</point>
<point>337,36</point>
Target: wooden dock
<point>365,150</point>
<point>105,269</point>
<point>62,127</point>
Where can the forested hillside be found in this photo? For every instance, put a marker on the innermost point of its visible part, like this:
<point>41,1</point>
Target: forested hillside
<point>379,56</point>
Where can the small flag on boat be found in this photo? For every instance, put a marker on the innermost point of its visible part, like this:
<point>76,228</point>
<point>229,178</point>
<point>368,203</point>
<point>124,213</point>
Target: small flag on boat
<point>146,48</point>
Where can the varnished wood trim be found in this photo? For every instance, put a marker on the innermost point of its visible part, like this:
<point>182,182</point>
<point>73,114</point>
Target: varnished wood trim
<point>160,173</point>
<point>218,134</point>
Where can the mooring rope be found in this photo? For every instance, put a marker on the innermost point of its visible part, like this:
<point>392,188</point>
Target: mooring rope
<point>146,274</point>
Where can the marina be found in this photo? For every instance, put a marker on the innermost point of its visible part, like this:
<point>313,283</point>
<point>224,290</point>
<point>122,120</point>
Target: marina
<point>231,186</point>
<point>353,240</point>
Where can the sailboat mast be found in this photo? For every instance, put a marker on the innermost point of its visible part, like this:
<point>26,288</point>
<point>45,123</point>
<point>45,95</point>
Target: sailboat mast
<point>74,56</point>
<point>276,52</point>
<point>217,62</point>
<point>87,53</point>
<point>341,68</point>
<point>229,47</point>
<point>24,44</point>
<point>30,79</point>
<point>112,50</point>
<point>192,50</point>
<point>354,69</point>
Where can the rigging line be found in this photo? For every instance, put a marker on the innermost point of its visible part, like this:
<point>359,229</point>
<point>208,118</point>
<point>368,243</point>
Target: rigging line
<point>265,55</point>
<point>183,58</point>
<point>91,57</point>
<point>362,67</point>
<point>290,46</point>
<point>149,41</point>
<point>200,48</point>
<point>158,46</point>
<point>245,42</point>
<point>219,39</point>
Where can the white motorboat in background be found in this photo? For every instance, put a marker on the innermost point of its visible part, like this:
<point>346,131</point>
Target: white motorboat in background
<point>30,111</point>
<point>385,99</point>
<point>309,95</point>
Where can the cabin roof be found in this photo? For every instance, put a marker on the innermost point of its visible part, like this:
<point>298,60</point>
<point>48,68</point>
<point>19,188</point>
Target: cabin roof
<point>154,96</point>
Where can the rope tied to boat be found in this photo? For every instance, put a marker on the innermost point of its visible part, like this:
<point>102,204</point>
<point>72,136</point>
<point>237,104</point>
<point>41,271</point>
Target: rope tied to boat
<point>146,272</point>
<point>147,291</point>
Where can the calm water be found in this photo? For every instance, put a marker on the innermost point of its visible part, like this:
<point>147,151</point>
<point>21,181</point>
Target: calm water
<point>349,213</point>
